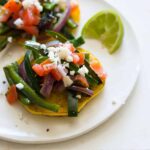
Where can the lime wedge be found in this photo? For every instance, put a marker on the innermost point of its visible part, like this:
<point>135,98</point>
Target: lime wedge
<point>107,27</point>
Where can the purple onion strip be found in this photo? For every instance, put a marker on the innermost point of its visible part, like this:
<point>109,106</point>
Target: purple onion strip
<point>82,90</point>
<point>47,86</point>
<point>52,43</point>
<point>23,73</point>
<point>62,21</point>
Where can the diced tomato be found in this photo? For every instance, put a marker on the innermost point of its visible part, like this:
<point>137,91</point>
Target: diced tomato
<point>29,18</point>
<point>75,58</point>
<point>48,68</point>
<point>78,58</point>
<point>12,94</point>
<point>81,80</point>
<point>47,61</point>
<point>15,15</point>
<point>38,69</point>
<point>4,14</point>
<point>70,47</point>
<point>13,6</point>
<point>56,74</point>
<point>81,58</point>
<point>44,68</point>
<point>33,30</point>
<point>35,10</point>
<point>97,68</point>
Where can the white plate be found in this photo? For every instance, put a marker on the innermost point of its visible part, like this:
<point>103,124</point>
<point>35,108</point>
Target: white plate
<point>122,68</point>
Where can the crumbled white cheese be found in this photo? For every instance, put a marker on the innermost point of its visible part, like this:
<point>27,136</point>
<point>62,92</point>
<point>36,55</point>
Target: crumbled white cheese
<point>19,86</point>
<point>76,57</point>
<point>83,70</point>
<point>10,39</point>
<point>43,46</point>
<point>72,73</point>
<point>63,53</point>
<point>28,3</point>
<point>60,52</point>
<point>54,49</point>
<point>78,96</point>
<point>67,81</point>
<point>18,22</point>
<point>66,65</point>
<point>61,70</point>
<point>51,56</point>
<point>69,58</point>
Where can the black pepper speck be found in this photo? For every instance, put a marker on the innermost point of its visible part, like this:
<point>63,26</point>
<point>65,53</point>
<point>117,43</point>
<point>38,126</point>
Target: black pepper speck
<point>47,130</point>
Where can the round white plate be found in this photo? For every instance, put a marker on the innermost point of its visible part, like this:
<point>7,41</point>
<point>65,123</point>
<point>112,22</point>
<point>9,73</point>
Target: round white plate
<point>122,68</point>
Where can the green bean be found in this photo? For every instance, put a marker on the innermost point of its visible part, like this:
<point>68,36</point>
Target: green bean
<point>30,93</point>
<point>33,81</point>
<point>72,105</point>
<point>78,42</point>
<point>22,98</point>
<point>67,33</point>
<point>10,81</point>
<point>4,29</point>
<point>87,57</point>
<point>71,24</point>
<point>16,66</point>
<point>3,42</point>
<point>40,59</point>
<point>2,2</point>
<point>57,35</point>
<point>91,72</point>
<point>49,6</point>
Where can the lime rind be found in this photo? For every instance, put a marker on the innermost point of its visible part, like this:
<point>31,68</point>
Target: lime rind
<point>107,27</point>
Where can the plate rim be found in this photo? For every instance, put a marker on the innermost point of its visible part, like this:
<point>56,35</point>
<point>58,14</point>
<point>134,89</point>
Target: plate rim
<point>83,132</point>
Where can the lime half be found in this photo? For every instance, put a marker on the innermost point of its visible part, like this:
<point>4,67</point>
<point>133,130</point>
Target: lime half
<point>107,27</point>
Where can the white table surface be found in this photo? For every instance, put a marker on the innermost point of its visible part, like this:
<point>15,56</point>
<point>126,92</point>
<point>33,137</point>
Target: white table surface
<point>130,127</point>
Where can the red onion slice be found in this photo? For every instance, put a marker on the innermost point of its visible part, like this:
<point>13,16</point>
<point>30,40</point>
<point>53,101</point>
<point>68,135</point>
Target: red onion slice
<point>63,19</point>
<point>59,87</point>
<point>47,86</point>
<point>53,43</point>
<point>82,90</point>
<point>23,73</point>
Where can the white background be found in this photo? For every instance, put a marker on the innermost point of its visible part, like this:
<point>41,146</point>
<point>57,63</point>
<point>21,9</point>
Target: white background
<point>130,127</point>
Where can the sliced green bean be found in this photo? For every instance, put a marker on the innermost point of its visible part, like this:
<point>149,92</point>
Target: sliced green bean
<point>10,81</point>
<point>71,24</point>
<point>73,67</point>
<point>2,2</point>
<point>24,100</point>
<point>40,59</point>
<point>57,35</point>
<point>87,57</point>
<point>30,93</point>
<point>67,33</point>
<point>4,29</point>
<point>49,6</point>
<point>91,72</point>
<point>78,42</point>
<point>92,82</point>
<point>16,66</point>
<point>3,42</point>
<point>72,105</point>
<point>33,81</point>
